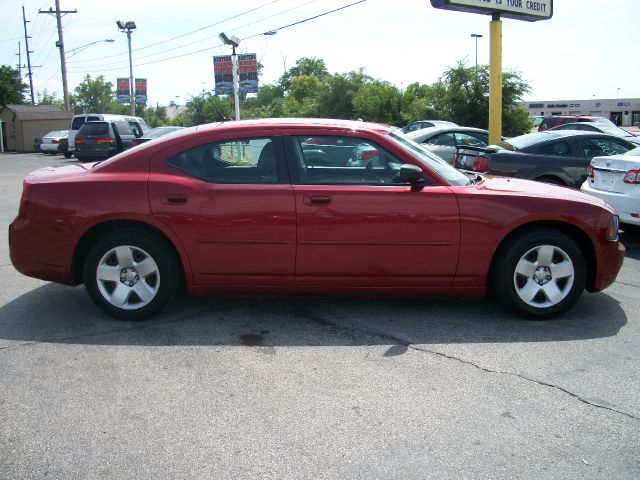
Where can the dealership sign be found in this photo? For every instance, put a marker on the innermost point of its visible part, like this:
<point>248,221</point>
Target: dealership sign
<point>529,10</point>
<point>247,74</point>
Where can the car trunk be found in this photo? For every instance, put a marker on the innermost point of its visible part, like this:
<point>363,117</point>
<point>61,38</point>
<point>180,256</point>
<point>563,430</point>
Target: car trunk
<point>609,174</point>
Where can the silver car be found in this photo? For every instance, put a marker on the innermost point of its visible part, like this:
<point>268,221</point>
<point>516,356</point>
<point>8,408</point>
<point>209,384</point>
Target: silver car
<point>443,140</point>
<point>51,140</point>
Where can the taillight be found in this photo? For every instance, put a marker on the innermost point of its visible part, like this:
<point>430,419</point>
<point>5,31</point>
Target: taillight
<point>79,141</point>
<point>590,171</point>
<point>633,177</point>
<point>481,164</point>
<point>103,140</point>
<point>22,211</point>
<point>55,141</point>
<point>135,143</point>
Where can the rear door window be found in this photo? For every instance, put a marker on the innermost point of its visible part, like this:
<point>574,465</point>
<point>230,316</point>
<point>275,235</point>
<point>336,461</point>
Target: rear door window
<point>556,148</point>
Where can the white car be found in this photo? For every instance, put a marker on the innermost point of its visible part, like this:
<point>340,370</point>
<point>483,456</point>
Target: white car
<point>616,180</point>
<point>51,140</point>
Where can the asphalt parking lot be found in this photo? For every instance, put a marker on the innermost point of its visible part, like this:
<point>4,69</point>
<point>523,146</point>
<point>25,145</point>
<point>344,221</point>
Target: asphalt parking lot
<point>313,388</point>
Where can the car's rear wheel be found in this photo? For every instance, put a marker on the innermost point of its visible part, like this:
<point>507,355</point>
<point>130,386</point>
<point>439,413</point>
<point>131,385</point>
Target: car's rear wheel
<point>131,275</point>
<point>539,274</point>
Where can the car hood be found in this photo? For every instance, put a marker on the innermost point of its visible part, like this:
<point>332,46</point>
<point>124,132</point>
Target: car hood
<point>516,186</point>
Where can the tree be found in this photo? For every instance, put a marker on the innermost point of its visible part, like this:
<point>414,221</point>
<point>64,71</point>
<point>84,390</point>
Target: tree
<point>305,67</point>
<point>378,102</point>
<point>206,108</point>
<point>12,89</point>
<point>336,100</point>
<point>46,98</point>
<point>94,96</point>
<point>462,96</point>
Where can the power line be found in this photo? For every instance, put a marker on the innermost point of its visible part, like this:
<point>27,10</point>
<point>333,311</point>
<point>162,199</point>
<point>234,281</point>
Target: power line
<point>184,34</point>
<point>245,38</point>
<point>201,40</point>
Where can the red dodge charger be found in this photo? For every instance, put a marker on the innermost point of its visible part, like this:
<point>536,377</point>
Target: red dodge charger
<point>307,206</point>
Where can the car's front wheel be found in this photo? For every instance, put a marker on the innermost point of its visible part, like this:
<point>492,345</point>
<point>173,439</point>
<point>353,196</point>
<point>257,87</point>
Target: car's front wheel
<point>540,274</point>
<point>131,275</point>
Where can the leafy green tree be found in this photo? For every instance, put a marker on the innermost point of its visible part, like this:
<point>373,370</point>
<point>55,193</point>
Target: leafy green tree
<point>268,103</point>
<point>305,67</point>
<point>462,95</point>
<point>206,108</point>
<point>12,90</point>
<point>95,96</point>
<point>336,100</point>
<point>378,102</point>
<point>46,98</point>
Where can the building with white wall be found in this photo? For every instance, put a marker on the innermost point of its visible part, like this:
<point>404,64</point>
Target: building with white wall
<point>624,112</point>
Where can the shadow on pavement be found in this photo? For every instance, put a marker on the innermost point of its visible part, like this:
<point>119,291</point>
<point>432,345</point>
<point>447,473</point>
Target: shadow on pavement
<point>59,314</point>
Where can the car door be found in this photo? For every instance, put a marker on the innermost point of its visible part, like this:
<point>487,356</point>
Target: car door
<point>230,202</point>
<point>358,226</point>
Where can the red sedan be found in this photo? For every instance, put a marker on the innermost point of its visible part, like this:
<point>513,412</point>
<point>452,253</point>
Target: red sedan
<point>307,206</point>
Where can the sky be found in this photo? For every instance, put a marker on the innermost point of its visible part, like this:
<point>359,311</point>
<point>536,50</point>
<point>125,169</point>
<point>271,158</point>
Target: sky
<point>587,49</point>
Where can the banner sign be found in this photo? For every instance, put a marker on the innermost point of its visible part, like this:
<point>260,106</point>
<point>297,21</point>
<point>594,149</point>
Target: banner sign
<point>122,90</point>
<point>247,74</point>
<point>529,10</point>
<point>141,90</point>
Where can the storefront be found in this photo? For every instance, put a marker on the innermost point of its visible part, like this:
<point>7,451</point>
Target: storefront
<point>624,112</point>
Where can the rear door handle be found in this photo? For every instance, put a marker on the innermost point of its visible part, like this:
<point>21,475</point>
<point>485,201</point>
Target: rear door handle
<point>175,199</point>
<point>317,200</point>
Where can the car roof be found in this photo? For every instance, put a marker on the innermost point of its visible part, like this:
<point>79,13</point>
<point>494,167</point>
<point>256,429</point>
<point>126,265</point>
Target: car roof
<point>444,129</point>
<point>321,123</point>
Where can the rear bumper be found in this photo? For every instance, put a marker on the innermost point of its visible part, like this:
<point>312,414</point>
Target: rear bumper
<point>37,250</point>
<point>624,203</point>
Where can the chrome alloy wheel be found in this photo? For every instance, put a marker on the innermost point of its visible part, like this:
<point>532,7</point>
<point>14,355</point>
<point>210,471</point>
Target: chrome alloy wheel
<point>543,276</point>
<point>128,277</point>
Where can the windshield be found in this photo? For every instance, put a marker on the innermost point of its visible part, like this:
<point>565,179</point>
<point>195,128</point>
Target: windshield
<point>524,141</point>
<point>431,160</point>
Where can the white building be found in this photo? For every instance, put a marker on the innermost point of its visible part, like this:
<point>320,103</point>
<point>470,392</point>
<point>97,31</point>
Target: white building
<point>624,112</point>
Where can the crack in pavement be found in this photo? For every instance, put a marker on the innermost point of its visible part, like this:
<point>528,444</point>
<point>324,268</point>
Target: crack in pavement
<point>399,341</point>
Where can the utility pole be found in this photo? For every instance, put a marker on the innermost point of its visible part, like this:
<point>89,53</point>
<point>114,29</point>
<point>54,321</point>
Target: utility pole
<point>60,44</point>
<point>19,54</point>
<point>26,43</point>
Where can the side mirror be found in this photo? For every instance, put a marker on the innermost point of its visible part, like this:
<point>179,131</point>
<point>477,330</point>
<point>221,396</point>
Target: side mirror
<point>412,174</point>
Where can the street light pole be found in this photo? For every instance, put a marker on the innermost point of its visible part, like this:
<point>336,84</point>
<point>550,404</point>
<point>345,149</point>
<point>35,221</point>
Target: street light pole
<point>476,36</point>
<point>127,27</point>
<point>234,42</point>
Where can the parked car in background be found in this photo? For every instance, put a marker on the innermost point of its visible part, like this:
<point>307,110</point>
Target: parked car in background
<point>560,156</point>
<point>235,207</point>
<point>443,140</point>
<point>600,127</point>
<point>616,180</point>
<point>51,140</point>
<point>138,125</point>
<point>420,124</point>
<point>36,144</point>
<point>100,140</point>
<point>63,147</point>
<point>537,120</point>
<point>154,133</point>
<point>555,120</point>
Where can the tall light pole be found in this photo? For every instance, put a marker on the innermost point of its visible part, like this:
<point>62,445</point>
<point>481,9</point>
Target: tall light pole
<point>127,27</point>
<point>234,42</point>
<point>476,36</point>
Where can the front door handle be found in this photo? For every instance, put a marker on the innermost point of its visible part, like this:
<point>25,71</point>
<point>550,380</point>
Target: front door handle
<point>317,200</point>
<point>175,199</point>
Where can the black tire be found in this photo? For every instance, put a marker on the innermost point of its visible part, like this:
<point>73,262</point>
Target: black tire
<point>540,273</point>
<point>68,155</point>
<point>130,274</point>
